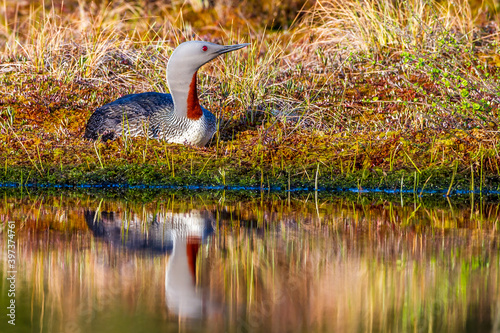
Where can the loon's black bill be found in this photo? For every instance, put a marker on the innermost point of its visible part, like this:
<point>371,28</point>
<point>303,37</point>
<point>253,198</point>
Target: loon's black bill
<point>229,48</point>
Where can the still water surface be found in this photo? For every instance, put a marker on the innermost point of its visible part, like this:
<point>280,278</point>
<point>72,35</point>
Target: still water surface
<point>217,263</point>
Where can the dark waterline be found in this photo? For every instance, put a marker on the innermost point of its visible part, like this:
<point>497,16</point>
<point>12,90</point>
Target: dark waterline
<point>417,191</point>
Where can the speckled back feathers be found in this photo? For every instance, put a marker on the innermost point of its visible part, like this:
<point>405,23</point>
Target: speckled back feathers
<point>148,114</point>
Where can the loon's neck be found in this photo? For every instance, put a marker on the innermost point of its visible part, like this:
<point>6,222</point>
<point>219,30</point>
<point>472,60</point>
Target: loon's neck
<point>181,294</point>
<point>182,83</point>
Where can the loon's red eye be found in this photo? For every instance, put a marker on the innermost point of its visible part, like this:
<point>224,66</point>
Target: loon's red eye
<point>204,48</point>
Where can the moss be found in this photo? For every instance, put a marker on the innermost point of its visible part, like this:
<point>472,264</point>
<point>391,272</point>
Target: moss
<point>432,179</point>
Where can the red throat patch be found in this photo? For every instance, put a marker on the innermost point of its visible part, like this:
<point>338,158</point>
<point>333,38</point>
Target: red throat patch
<point>194,111</point>
<point>193,244</point>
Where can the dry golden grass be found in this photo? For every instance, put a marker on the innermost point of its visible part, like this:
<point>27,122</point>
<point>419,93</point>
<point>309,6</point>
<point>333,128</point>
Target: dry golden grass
<point>377,25</point>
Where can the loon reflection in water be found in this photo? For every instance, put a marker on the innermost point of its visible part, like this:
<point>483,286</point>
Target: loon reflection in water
<point>179,235</point>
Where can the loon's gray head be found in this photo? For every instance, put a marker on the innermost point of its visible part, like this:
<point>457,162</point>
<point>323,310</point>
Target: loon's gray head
<point>182,67</point>
<point>194,54</point>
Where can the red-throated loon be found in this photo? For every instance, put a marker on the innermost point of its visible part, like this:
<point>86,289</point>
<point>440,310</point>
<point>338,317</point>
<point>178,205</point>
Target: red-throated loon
<point>177,117</point>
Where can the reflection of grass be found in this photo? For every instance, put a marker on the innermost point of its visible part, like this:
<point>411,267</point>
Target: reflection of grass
<point>386,280</point>
<point>361,94</point>
<point>349,265</point>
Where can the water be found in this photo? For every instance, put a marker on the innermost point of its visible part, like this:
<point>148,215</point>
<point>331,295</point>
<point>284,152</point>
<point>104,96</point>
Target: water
<point>214,261</point>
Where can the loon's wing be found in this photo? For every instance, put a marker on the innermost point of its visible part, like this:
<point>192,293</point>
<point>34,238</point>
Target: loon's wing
<point>130,113</point>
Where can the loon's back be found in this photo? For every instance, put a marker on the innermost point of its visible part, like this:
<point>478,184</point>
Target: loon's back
<point>130,114</point>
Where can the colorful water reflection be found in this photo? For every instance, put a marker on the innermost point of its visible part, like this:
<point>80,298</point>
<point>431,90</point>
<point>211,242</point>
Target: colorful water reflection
<point>206,262</point>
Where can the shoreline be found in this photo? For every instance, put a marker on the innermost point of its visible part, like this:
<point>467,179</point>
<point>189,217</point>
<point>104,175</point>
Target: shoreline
<point>397,182</point>
<point>297,108</point>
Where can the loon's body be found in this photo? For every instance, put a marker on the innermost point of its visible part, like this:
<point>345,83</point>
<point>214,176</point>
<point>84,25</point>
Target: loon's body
<point>177,117</point>
<point>149,114</point>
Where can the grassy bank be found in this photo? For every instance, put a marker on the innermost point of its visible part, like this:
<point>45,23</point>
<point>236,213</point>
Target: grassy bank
<point>365,94</point>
